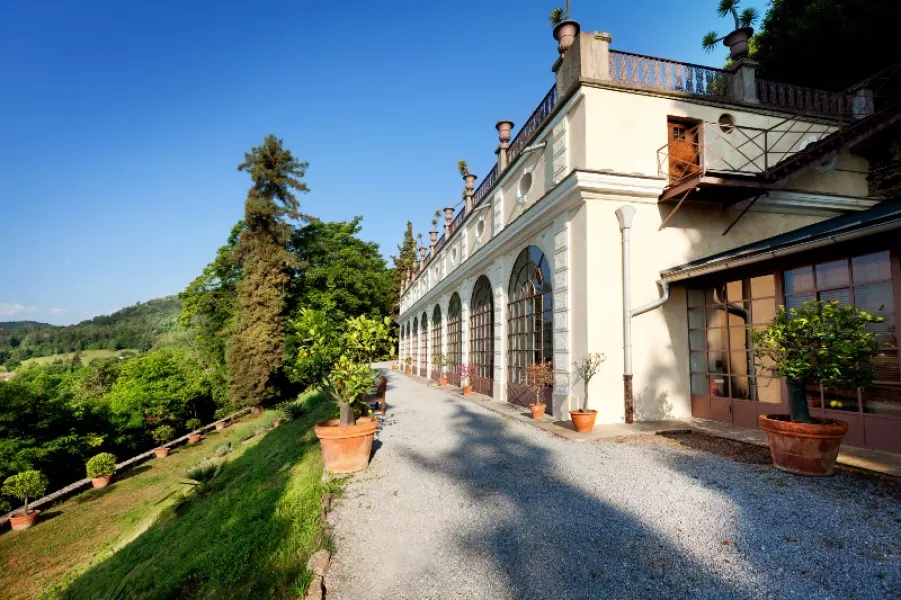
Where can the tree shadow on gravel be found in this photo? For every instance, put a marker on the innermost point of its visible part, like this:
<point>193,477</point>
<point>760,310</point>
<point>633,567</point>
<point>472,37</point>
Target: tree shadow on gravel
<point>833,537</point>
<point>554,539</point>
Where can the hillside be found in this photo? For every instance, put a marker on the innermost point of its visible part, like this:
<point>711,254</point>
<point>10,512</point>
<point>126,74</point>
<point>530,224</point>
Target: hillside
<point>137,327</point>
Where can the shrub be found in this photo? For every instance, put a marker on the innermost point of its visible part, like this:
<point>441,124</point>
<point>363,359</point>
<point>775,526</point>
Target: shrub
<point>221,413</point>
<point>102,465</point>
<point>163,434</point>
<point>222,449</point>
<point>26,486</point>
<point>193,424</point>
<point>539,376</point>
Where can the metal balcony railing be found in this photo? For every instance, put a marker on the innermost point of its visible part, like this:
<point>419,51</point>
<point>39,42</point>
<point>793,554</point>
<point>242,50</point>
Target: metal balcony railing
<point>637,70</point>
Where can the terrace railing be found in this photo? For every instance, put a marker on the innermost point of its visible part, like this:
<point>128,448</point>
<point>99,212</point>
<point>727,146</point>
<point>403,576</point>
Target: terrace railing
<point>532,124</point>
<point>637,70</point>
<point>486,185</point>
<point>797,98</point>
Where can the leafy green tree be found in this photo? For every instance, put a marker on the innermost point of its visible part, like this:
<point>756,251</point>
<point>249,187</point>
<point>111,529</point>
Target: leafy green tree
<point>256,350</point>
<point>828,44</point>
<point>405,261</point>
<point>337,271</point>
<point>165,385</point>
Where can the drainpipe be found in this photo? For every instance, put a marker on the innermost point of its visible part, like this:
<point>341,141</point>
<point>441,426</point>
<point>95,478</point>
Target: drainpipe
<point>624,215</point>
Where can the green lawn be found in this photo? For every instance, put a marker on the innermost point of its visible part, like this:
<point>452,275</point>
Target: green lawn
<point>86,357</point>
<point>247,536</point>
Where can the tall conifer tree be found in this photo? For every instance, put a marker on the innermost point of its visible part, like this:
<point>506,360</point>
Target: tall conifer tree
<point>405,261</point>
<point>256,350</point>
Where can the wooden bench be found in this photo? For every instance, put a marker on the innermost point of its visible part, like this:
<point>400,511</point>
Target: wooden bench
<point>377,398</point>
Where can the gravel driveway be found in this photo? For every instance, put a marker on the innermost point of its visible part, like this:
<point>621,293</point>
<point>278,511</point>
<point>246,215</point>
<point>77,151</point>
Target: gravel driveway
<point>460,502</point>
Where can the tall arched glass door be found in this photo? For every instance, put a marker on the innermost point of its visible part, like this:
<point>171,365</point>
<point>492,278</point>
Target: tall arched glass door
<point>530,324</point>
<point>414,346</point>
<point>454,339</point>
<point>424,346</point>
<point>481,336</point>
<point>437,343</point>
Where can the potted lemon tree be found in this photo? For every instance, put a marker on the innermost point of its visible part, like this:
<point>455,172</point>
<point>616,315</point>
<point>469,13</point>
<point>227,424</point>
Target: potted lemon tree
<point>100,469</point>
<point>335,357</point>
<point>26,486</point>
<point>820,342</point>
<point>467,372</point>
<point>193,425</point>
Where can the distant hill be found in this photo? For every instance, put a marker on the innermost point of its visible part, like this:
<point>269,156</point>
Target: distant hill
<point>14,325</point>
<point>134,327</point>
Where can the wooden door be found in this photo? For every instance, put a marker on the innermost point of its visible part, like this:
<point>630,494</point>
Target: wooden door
<point>683,149</point>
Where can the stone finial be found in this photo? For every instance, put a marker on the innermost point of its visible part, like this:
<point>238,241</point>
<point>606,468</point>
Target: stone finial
<point>470,180</point>
<point>503,131</point>
<point>448,219</point>
<point>565,33</point>
<point>433,239</point>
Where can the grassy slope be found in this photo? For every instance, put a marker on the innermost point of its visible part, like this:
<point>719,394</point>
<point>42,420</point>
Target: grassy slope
<point>249,537</point>
<point>86,357</point>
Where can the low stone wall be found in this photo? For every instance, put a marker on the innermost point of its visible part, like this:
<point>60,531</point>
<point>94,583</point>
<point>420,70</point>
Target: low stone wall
<point>122,466</point>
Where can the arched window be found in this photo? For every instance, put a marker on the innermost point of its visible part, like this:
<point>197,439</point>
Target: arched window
<point>414,345</point>
<point>436,343</point>
<point>481,336</point>
<point>424,346</point>
<point>454,338</point>
<point>530,325</point>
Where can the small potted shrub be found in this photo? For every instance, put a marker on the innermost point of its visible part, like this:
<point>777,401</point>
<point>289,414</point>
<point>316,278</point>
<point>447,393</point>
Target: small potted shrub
<point>446,365</point>
<point>439,360</point>
<point>467,373</point>
<point>737,41</point>
<point>193,425</point>
<point>408,362</point>
<point>585,369</point>
<point>538,376</point>
<point>221,415</point>
<point>820,342</point>
<point>100,469</point>
<point>565,29</point>
<point>162,435</point>
<point>26,486</point>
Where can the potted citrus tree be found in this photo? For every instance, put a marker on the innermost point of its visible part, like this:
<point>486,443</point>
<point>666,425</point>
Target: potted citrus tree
<point>100,469</point>
<point>539,375</point>
<point>820,342</point>
<point>221,415</point>
<point>408,362</point>
<point>162,435</point>
<point>737,41</point>
<point>26,486</point>
<point>193,425</point>
<point>336,358</point>
<point>583,418</point>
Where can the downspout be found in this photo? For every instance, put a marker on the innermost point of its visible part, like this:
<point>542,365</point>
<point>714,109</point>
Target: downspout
<point>624,215</point>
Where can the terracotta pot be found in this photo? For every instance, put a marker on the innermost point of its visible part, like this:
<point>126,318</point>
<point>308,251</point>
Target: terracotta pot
<point>276,422</point>
<point>804,448</point>
<point>161,452</point>
<point>20,521</point>
<point>467,390</point>
<point>583,421</point>
<point>407,371</point>
<point>737,42</point>
<point>220,425</point>
<point>193,438</point>
<point>537,411</point>
<point>503,130</point>
<point>257,410</point>
<point>442,381</point>
<point>346,448</point>
<point>100,482</point>
<point>470,180</point>
<point>565,33</point>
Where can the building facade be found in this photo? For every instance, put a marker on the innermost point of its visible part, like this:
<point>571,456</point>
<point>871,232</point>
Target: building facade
<point>710,162</point>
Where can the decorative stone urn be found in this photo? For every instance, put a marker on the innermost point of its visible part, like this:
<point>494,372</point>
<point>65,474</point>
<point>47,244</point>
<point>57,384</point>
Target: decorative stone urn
<point>737,42</point>
<point>565,33</point>
<point>470,179</point>
<point>503,131</point>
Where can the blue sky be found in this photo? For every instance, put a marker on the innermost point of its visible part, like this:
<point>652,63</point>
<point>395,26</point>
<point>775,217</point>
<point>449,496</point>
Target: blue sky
<point>122,123</point>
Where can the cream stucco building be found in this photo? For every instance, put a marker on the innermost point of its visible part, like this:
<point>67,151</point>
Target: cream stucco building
<point>709,161</point>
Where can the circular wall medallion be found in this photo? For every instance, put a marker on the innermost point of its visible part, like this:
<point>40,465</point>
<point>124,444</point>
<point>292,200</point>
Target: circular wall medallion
<point>727,123</point>
<point>525,185</point>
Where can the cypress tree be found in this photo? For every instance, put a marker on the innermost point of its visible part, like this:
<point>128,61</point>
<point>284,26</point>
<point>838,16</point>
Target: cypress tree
<point>405,261</point>
<point>256,352</point>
